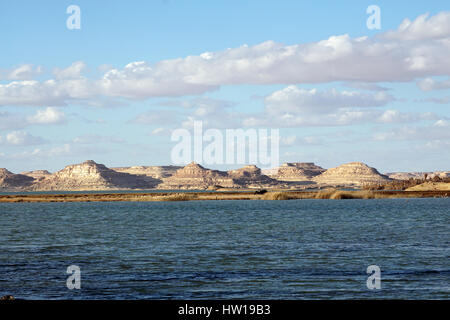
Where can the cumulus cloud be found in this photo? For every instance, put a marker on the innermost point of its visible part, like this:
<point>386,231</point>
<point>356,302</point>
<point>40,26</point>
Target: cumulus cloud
<point>417,49</point>
<point>50,92</point>
<point>296,100</point>
<point>20,138</point>
<point>429,84</point>
<point>438,131</point>
<point>293,107</point>
<point>48,115</point>
<point>423,27</point>
<point>22,72</point>
<point>72,72</point>
<point>45,116</point>
<point>214,113</point>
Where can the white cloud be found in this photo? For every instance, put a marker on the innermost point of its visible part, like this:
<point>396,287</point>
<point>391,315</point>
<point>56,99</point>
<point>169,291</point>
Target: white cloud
<point>438,131</point>
<point>49,92</point>
<point>423,27</point>
<point>158,131</point>
<point>429,84</point>
<point>96,138</point>
<point>417,49</point>
<point>296,100</point>
<point>53,152</point>
<point>49,115</point>
<point>20,138</point>
<point>22,72</point>
<point>294,107</point>
<point>72,72</point>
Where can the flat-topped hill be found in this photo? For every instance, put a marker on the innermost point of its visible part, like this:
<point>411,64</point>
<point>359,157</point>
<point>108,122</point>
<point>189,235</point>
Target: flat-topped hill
<point>195,176</point>
<point>353,173</point>
<point>297,171</point>
<point>90,175</point>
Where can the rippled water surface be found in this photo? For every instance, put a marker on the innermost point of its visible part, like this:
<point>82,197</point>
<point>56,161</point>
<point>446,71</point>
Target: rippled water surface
<point>298,249</point>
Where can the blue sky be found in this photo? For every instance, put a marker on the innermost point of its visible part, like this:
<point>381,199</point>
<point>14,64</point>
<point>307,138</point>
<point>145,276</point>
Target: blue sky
<point>383,100</point>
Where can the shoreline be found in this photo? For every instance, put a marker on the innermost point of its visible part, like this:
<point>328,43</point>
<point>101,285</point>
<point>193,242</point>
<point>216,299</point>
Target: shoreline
<point>244,195</point>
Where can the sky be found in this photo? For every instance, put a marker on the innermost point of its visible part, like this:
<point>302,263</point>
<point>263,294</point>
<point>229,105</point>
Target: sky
<point>115,89</point>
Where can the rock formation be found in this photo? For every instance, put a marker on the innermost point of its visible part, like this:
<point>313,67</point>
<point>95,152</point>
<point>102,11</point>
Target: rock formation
<point>90,175</point>
<point>298,171</point>
<point>155,172</point>
<point>251,177</point>
<point>37,174</point>
<point>194,176</point>
<point>353,173</point>
<point>418,175</point>
<point>11,181</point>
<point>405,175</point>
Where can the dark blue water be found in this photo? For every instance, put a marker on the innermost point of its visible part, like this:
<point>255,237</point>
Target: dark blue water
<point>298,249</point>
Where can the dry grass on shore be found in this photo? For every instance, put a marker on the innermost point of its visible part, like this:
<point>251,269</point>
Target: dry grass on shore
<point>273,195</point>
<point>179,197</point>
<point>277,196</point>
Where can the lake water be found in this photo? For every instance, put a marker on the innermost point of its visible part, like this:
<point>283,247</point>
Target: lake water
<point>297,249</point>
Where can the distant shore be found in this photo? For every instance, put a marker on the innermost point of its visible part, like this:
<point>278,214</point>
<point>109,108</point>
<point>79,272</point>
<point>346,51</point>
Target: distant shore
<point>245,195</point>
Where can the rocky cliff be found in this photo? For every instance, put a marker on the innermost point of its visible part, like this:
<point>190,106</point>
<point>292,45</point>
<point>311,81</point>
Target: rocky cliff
<point>156,172</point>
<point>90,175</point>
<point>418,175</point>
<point>298,171</point>
<point>353,173</point>
<point>37,174</point>
<point>251,177</point>
<point>194,176</point>
<point>12,182</point>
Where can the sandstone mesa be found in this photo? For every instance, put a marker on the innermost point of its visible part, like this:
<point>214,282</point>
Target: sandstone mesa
<point>90,175</point>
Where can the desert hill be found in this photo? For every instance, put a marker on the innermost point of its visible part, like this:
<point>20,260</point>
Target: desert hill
<point>251,177</point>
<point>353,173</point>
<point>156,172</point>
<point>298,171</point>
<point>90,175</point>
<point>194,176</point>
<point>11,181</point>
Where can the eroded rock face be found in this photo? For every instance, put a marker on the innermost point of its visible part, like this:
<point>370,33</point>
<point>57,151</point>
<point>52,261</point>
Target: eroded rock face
<point>194,176</point>
<point>37,174</point>
<point>11,181</point>
<point>251,177</point>
<point>405,175</point>
<point>353,173</point>
<point>297,171</point>
<point>90,175</point>
<point>418,175</point>
<point>156,172</point>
